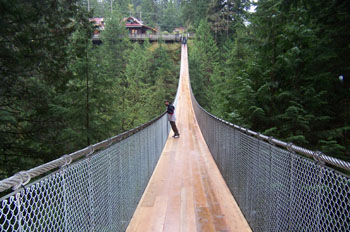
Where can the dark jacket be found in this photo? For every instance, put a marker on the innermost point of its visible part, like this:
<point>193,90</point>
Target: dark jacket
<point>171,113</point>
<point>170,109</point>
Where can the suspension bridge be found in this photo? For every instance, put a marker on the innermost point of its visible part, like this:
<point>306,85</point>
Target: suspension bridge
<point>216,177</point>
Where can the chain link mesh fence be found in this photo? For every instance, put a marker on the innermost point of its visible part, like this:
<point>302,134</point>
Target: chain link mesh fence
<point>276,189</point>
<point>97,193</point>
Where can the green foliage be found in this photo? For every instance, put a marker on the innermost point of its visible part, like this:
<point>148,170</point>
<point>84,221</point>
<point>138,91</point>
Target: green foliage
<point>194,11</point>
<point>34,37</point>
<point>170,17</point>
<point>59,93</point>
<point>278,74</point>
<point>150,8</point>
<point>225,17</point>
<point>137,85</point>
<point>203,61</point>
<point>300,61</point>
<point>150,79</point>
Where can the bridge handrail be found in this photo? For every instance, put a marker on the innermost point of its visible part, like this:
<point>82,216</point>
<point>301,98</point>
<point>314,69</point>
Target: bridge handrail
<point>23,177</point>
<point>316,155</point>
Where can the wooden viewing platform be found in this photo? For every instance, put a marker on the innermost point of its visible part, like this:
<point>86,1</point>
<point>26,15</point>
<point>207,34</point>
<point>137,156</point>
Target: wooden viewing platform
<point>171,38</point>
<point>156,37</point>
<point>186,191</point>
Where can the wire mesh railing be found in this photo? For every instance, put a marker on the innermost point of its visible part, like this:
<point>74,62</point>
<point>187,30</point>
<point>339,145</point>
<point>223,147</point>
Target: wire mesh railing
<point>276,188</point>
<point>98,192</point>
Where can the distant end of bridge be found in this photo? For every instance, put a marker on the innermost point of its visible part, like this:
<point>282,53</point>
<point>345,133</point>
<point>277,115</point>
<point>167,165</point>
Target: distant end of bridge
<point>166,38</point>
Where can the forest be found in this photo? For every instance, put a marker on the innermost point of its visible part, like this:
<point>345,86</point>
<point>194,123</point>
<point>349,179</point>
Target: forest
<point>278,67</point>
<point>60,93</point>
<point>281,68</point>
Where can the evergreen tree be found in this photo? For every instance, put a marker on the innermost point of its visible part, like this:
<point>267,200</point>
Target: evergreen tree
<point>150,10</point>
<point>73,105</point>
<point>163,80</point>
<point>59,93</point>
<point>99,8</point>
<point>303,88</point>
<point>284,73</point>
<point>137,75</point>
<point>225,17</point>
<point>34,37</point>
<point>203,61</point>
<point>170,17</point>
<point>234,95</point>
<point>194,11</point>
<point>123,7</point>
<point>113,59</point>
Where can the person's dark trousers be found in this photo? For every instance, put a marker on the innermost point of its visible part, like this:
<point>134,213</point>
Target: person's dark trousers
<point>173,126</point>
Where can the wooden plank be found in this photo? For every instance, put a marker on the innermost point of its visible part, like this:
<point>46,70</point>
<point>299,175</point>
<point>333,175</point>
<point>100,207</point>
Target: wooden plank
<point>159,213</point>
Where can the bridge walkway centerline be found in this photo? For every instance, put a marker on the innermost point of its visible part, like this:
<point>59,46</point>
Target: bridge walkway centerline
<point>187,191</point>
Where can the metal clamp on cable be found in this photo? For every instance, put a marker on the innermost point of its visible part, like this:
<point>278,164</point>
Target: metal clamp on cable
<point>258,135</point>
<point>24,179</point>
<point>270,140</point>
<point>290,147</point>
<point>110,142</point>
<point>91,151</point>
<point>67,160</point>
<point>317,155</point>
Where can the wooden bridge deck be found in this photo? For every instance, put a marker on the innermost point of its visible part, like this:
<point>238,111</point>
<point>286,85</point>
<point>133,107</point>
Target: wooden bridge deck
<point>186,191</point>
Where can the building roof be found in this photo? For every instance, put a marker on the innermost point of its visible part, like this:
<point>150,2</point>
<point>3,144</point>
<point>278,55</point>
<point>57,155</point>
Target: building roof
<point>134,22</point>
<point>129,22</point>
<point>98,22</point>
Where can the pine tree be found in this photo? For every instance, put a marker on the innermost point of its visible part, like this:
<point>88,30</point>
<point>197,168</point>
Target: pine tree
<point>73,105</point>
<point>204,59</point>
<point>234,94</point>
<point>225,17</point>
<point>33,71</point>
<point>164,83</point>
<point>284,72</point>
<point>194,11</point>
<point>113,54</point>
<point>170,17</point>
<point>136,73</point>
<point>150,10</point>
<point>300,59</point>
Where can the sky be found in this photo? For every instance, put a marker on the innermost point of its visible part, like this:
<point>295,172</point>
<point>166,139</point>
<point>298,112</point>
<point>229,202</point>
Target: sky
<point>252,8</point>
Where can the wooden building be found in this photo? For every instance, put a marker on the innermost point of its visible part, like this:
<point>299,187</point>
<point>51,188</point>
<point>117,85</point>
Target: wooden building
<point>136,27</point>
<point>99,25</point>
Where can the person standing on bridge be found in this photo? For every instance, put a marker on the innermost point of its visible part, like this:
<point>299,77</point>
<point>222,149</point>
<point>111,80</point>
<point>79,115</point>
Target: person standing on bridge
<point>171,117</point>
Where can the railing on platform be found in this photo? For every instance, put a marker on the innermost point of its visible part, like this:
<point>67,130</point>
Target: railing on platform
<point>98,192</point>
<point>150,37</point>
<point>276,188</point>
<point>165,37</point>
